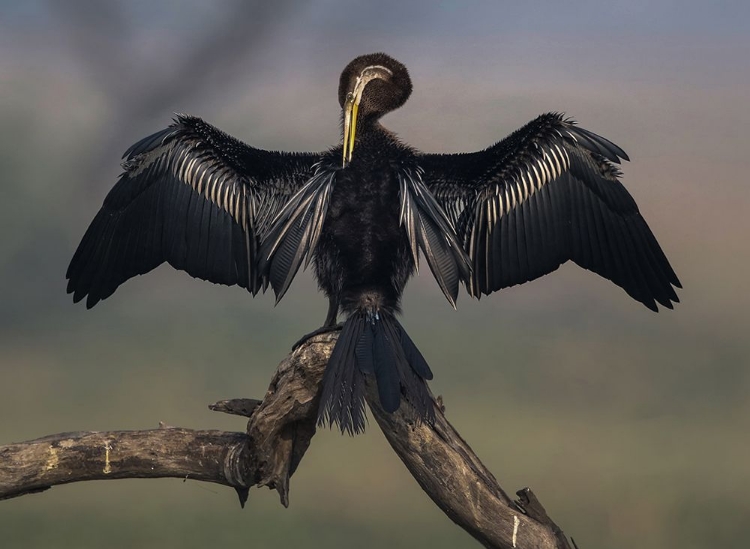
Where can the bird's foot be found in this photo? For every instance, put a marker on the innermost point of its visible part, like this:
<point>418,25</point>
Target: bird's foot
<point>321,330</point>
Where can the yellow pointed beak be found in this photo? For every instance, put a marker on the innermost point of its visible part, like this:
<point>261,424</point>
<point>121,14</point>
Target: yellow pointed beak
<point>350,125</point>
<point>351,107</point>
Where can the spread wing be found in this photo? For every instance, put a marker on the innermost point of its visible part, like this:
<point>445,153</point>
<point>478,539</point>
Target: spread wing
<point>190,195</point>
<point>549,193</point>
<point>429,230</point>
<point>294,233</point>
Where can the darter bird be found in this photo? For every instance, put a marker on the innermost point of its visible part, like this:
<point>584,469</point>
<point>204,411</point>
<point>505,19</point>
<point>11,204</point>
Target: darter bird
<point>363,213</point>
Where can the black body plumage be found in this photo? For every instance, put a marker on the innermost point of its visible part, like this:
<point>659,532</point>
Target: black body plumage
<point>363,245</point>
<point>233,214</point>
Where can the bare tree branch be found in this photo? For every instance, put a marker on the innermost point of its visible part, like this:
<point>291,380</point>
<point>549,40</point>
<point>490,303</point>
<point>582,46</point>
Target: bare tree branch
<point>278,434</point>
<point>39,464</point>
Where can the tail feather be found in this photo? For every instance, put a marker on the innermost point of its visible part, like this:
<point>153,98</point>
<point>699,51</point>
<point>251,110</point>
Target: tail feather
<point>373,344</point>
<point>343,398</point>
<point>365,360</point>
<point>384,356</point>
<point>414,357</point>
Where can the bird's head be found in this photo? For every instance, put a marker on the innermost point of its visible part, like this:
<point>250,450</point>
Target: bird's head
<point>370,86</point>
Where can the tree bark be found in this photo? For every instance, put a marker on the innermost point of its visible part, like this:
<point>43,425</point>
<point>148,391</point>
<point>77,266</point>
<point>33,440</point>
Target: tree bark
<point>279,432</point>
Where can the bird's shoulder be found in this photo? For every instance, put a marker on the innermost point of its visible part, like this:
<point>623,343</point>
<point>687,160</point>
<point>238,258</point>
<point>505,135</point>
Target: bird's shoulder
<point>546,142</point>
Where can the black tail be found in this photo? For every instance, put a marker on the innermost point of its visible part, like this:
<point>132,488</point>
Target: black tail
<point>373,344</point>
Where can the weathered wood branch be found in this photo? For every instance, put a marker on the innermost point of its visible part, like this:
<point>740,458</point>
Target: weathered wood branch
<point>39,464</point>
<point>279,432</point>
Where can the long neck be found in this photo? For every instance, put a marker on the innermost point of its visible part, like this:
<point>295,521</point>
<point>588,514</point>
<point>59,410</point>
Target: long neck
<point>368,128</point>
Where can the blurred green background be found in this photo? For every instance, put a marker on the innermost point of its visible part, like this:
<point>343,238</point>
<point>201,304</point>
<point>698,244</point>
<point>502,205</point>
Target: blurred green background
<point>632,427</point>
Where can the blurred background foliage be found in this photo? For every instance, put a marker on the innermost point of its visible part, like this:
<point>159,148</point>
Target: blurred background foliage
<point>631,426</point>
